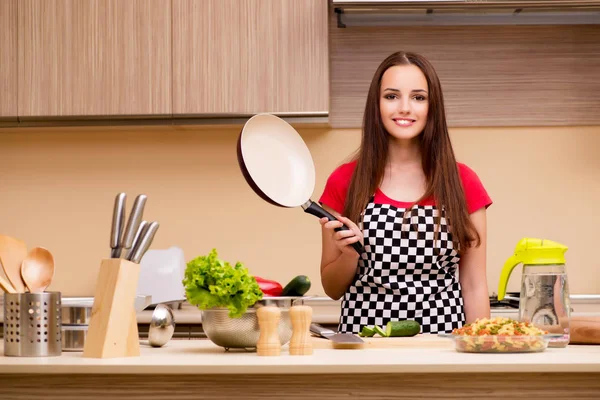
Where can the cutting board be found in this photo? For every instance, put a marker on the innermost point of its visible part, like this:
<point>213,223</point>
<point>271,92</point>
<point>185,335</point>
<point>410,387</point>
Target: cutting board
<point>418,341</point>
<point>585,330</point>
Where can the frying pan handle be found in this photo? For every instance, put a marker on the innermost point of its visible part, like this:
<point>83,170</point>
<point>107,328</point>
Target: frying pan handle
<point>320,212</point>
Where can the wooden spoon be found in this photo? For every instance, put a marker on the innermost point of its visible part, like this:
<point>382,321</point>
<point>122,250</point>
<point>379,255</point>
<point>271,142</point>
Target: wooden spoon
<point>6,286</point>
<point>38,269</point>
<point>12,253</point>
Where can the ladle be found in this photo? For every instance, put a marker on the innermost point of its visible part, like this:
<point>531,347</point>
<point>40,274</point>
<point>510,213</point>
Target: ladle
<point>37,269</point>
<point>162,326</point>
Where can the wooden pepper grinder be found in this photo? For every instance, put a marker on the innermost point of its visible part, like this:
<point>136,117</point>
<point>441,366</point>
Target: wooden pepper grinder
<point>268,322</point>
<point>301,344</point>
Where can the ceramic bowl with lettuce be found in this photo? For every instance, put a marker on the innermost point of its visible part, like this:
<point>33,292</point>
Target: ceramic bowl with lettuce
<point>228,296</point>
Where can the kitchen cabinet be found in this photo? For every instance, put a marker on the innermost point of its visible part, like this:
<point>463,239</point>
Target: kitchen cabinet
<point>250,56</point>
<point>8,58</point>
<point>492,76</point>
<point>94,57</point>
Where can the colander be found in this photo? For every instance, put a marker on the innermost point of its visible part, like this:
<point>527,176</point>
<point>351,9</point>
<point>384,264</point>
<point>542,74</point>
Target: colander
<point>243,332</point>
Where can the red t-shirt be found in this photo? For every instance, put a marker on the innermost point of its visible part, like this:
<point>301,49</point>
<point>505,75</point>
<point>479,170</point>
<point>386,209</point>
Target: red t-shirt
<point>336,188</point>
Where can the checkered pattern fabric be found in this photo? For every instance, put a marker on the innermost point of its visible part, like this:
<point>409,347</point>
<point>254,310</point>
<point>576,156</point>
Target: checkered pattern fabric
<point>408,271</point>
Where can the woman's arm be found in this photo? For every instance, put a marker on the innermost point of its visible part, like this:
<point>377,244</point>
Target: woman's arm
<point>472,273</point>
<point>339,260</point>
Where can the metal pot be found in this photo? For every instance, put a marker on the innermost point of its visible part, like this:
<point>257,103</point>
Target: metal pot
<point>78,310</point>
<point>76,315</point>
<point>73,337</point>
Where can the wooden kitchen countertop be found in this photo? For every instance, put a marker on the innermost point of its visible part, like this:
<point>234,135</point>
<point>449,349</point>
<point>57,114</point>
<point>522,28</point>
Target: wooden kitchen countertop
<point>203,357</point>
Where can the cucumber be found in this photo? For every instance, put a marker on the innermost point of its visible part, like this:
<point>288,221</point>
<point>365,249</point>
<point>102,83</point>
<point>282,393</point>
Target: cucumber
<point>380,331</point>
<point>297,286</point>
<point>367,331</point>
<point>402,328</point>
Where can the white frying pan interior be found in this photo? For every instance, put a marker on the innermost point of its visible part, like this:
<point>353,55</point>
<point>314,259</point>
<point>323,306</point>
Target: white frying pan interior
<point>278,166</point>
<point>278,160</point>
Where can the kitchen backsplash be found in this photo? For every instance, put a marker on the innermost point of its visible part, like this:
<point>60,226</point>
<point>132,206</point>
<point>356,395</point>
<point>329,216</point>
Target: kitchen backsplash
<point>59,184</point>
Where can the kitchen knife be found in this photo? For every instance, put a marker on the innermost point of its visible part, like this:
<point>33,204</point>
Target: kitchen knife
<point>138,236</point>
<point>338,338</point>
<point>144,243</point>
<point>118,223</point>
<point>133,224</point>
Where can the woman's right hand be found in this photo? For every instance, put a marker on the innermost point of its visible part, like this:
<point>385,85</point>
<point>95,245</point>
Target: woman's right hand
<point>343,239</point>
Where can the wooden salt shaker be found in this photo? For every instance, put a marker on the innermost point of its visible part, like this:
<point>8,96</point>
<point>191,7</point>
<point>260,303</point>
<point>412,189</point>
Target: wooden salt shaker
<point>301,344</point>
<point>268,322</point>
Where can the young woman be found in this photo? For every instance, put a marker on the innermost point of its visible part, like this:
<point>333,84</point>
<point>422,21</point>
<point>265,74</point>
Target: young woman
<point>422,215</point>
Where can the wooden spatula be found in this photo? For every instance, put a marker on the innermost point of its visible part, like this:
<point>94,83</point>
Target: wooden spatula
<point>4,282</point>
<point>12,253</point>
<point>6,286</point>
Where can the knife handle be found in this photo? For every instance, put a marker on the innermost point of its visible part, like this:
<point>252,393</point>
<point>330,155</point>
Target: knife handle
<point>141,232</point>
<point>118,222</point>
<point>300,343</point>
<point>133,224</point>
<point>144,242</point>
<point>268,322</point>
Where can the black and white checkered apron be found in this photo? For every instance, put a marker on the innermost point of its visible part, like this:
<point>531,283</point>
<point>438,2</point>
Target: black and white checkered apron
<point>404,274</point>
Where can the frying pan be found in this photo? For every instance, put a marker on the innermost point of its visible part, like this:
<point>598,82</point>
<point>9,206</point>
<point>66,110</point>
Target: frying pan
<point>279,167</point>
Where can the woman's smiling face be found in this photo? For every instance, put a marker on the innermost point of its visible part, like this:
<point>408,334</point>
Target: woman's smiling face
<point>404,101</point>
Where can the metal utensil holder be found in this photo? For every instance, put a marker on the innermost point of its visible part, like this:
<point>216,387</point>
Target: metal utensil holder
<point>32,324</point>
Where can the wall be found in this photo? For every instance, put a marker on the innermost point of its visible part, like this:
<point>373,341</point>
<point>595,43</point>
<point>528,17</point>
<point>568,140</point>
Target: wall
<point>58,187</point>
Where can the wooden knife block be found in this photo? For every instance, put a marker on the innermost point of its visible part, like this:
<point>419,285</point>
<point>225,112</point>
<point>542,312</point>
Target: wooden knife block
<point>113,330</point>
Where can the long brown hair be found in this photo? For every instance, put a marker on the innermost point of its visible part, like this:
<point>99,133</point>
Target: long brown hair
<point>438,160</point>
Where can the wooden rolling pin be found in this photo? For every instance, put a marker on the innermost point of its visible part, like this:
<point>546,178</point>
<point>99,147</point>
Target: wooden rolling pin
<point>585,330</point>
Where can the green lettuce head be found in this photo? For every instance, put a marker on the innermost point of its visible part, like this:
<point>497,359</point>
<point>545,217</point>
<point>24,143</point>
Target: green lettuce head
<point>210,282</point>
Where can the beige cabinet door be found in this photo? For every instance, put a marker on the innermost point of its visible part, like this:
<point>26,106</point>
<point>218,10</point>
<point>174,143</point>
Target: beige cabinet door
<point>250,56</point>
<point>8,58</point>
<point>94,57</point>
